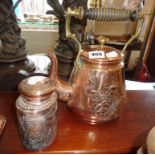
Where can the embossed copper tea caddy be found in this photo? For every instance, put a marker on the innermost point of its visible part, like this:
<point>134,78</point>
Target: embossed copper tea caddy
<point>36,107</point>
<point>96,90</point>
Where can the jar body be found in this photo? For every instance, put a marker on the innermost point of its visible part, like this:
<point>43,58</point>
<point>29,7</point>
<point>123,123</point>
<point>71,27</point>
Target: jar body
<point>37,125</point>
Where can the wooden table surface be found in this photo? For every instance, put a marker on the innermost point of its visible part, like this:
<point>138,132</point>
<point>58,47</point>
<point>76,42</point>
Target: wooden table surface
<point>123,135</point>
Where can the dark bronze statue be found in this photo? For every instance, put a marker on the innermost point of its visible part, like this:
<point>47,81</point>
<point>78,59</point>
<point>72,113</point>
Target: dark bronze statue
<point>12,45</point>
<point>14,65</point>
<point>66,50</point>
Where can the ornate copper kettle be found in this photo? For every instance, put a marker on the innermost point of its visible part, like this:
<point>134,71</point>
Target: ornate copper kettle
<point>96,91</point>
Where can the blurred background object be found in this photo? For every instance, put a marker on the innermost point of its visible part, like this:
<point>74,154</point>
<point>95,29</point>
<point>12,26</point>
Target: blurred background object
<point>13,54</point>
<point>2,123</point>
<point>149,146</point>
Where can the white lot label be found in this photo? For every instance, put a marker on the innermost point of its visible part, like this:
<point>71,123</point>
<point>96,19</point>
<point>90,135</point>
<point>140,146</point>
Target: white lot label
<point>112,54</point>
<point>96,54</point>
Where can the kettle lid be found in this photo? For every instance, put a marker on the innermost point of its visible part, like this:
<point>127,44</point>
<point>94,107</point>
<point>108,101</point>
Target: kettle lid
<point>104,55</point>
<point>36,86</point>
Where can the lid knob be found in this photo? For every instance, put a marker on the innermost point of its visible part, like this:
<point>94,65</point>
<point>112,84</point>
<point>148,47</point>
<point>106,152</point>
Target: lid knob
<point>102,40</point>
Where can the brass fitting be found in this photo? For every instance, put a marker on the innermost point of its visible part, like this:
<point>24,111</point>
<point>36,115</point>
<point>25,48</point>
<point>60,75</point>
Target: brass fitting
<point>95,3</point>
<point>102,40</point>
<point>98,3</point>
<point>76,13</point>
<point>143,14</point>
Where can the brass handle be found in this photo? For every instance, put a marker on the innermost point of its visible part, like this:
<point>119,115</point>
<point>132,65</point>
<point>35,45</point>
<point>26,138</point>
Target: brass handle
<point>138,31</point>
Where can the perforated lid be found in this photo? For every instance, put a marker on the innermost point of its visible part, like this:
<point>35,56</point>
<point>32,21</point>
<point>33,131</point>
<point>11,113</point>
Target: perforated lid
<point>36,86</point>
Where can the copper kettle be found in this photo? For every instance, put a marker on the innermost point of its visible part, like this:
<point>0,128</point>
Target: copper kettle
<point>96,92</point>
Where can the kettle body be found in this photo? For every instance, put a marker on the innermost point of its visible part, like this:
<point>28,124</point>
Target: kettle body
<point>98,87</point>
<point>96,91</point>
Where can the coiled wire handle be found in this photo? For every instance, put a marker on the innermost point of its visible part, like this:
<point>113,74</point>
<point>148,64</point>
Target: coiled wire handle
<point>110,14</point>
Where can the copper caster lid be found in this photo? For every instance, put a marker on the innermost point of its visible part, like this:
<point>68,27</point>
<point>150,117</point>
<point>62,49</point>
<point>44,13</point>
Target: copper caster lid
<point>36,86</point>
<point>101,54</point>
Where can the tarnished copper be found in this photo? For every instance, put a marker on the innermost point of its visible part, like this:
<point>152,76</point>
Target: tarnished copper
<point>96,92</point>
<point>36,108</point>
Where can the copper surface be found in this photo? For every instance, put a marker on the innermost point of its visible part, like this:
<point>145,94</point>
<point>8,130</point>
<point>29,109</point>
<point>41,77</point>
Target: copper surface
<point>96,92</point>
<point>36,89</point>
<point>36,107</point>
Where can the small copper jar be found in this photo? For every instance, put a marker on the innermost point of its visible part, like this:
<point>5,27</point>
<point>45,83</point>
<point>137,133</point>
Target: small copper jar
<point>36,108</point>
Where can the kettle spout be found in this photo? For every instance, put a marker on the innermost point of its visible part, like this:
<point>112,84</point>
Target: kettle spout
<point>63,88</point>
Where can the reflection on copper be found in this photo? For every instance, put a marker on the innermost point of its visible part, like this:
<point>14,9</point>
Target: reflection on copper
<point>91,135</point>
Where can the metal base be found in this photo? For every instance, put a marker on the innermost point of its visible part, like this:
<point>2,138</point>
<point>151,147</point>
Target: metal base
<point>90,118</point>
